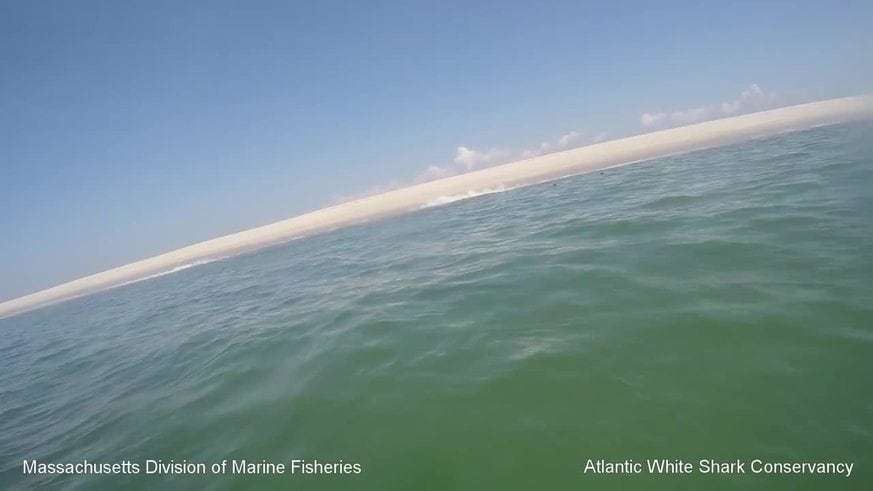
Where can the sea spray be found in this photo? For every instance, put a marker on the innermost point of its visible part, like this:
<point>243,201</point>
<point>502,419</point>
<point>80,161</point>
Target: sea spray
<point>444,200</point>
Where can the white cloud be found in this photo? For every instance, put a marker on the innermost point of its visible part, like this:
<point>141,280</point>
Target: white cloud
<point>730,107</point>
<point>652,119</point>
<point>528,154</point>
<point>467,159</point>
<point>434,172</point>
<point>472,159</point>
<point>571,139</point>
<point>753,98</point>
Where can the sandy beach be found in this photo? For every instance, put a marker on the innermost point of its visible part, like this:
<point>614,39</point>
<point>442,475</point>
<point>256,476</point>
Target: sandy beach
<point>551,166</point>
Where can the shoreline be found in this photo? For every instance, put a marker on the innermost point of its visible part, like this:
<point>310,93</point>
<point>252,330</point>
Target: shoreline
<point>531,171</point>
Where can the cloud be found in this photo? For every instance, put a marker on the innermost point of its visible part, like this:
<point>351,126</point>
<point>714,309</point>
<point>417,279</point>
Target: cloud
<point>467,159</point>
<point>652,119</point>
<point>571,139</point>
<point>472,159</point>
<point>753,98</point>
<point>598,138</point>
<point>434,172</point>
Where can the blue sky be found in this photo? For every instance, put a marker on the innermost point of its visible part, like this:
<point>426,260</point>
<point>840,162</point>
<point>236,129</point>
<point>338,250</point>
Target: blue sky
<point>129,129</point>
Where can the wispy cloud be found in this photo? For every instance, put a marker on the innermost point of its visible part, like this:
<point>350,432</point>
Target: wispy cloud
<point>571,139</point>
<point>467,159</point>
<point>434,172</point>
<point>753,98</point>
<point>471,159</point>
<point>653,119</point>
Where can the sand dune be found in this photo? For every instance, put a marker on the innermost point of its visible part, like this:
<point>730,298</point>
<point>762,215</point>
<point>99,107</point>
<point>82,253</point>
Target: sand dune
<point>575,161</point>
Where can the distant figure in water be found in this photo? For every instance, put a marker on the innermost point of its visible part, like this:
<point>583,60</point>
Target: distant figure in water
<point>601,173</point>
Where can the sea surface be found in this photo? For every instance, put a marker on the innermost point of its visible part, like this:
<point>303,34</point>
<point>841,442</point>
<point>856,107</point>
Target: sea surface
<point>717,304</point>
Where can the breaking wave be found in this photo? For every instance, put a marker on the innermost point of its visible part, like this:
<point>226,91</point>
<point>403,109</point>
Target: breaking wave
<point>444,200</point>
<point>176,269</point>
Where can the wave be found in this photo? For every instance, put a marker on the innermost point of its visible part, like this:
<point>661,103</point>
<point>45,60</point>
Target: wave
<point>444,200</point>
<point>176,269</point>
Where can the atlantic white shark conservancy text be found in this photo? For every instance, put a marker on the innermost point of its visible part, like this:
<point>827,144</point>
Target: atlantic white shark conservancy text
<point>712,466</point>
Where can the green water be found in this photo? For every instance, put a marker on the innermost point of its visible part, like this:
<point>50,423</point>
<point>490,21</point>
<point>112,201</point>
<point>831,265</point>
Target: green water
<point>711,305</point>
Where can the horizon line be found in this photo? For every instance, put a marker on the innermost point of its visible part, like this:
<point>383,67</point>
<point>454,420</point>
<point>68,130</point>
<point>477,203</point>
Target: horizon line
<point>611,153</point>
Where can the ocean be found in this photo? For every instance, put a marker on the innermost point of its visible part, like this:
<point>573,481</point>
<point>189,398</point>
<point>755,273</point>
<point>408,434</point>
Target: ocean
<point>716,305</point>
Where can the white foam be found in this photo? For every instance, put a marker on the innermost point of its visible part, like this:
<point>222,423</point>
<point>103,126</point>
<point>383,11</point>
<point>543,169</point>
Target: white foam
<point>464,186</point>
<point>444,200</point>
<point>176,269</point>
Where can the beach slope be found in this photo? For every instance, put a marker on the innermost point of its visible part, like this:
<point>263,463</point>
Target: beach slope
<point>551,166</point>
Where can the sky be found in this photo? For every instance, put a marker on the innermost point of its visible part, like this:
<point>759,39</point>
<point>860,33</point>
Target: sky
<point>128,129</point>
